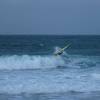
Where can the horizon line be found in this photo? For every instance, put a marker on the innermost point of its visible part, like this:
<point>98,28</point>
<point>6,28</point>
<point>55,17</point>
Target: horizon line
<point>52,34</point>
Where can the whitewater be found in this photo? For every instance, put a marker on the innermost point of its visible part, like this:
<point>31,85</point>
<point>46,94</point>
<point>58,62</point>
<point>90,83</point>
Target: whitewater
<point>47,74</point>
<point>16,62</point>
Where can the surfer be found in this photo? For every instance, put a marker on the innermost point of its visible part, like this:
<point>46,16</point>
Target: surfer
<point>60,52</point>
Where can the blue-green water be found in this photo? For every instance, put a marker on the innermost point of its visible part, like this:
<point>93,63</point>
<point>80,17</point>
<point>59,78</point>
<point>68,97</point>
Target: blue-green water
<point>30,71</point>
<point>41,45</point>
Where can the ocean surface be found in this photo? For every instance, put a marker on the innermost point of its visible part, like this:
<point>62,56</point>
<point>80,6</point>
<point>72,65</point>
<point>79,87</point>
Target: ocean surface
<point>30,71</point>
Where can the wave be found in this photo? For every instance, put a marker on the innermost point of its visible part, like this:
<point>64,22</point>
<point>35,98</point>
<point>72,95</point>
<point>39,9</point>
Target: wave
<point>16,62</point>
<point>30,62</point>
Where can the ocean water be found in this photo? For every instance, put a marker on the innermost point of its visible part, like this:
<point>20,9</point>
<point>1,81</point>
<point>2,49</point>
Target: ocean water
<point>30,71</point>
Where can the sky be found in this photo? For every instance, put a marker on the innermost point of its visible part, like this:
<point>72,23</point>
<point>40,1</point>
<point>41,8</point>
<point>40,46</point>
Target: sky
<point>50,17</point>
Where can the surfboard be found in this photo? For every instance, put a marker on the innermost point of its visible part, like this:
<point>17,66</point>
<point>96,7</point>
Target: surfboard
<point>61,50</point>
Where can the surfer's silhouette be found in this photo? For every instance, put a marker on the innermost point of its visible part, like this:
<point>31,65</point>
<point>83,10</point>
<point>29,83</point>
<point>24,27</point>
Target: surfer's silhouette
<point>58,53</point>
<point>61,51</point>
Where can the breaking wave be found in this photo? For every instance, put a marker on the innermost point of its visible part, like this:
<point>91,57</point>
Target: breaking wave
<point>16,62</point>
<point>30,62</point>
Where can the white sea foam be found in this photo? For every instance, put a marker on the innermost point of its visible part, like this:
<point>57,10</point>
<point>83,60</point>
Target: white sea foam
<point>16,62</point>
<point>16,82</point>
<point>30,62</point>
<point>48,81</point>
<point>96,76</point>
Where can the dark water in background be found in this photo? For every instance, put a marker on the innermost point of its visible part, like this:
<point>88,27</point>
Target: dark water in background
<point>30,71</point>
<point>31,45</point>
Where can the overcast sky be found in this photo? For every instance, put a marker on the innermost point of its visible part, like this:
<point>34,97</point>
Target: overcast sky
<point>49,16</point>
